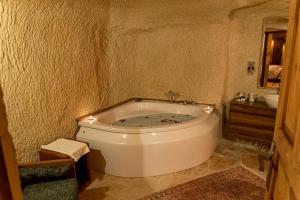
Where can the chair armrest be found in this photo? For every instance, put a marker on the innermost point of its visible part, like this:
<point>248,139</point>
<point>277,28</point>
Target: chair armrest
<point>47,163</point>
<point>52,163</point>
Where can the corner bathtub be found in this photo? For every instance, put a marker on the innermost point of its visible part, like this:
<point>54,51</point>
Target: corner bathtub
<point>129,151</point>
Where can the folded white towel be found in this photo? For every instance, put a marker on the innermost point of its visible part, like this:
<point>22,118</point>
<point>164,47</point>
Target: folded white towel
<point>72,148</point>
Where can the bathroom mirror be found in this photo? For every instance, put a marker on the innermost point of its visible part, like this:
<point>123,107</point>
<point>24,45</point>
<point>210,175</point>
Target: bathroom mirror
<point>272,52</point>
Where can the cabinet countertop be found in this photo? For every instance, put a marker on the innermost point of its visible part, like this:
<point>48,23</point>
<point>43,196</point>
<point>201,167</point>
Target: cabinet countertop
<point>257,104</point>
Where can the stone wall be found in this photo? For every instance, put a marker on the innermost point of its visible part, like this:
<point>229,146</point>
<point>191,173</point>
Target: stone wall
<point>245,44</point>
<point>53,68</point>
<point>63,59</point>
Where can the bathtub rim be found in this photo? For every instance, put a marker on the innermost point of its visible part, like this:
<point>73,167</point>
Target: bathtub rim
<point>136,99</point>
<point>142,130</point>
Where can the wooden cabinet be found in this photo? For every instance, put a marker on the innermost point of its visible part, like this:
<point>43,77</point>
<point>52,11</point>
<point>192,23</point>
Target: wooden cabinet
<point>250,121</point>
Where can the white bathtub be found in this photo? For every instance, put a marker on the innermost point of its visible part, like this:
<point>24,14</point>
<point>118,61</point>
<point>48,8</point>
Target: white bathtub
<point>151,151</point>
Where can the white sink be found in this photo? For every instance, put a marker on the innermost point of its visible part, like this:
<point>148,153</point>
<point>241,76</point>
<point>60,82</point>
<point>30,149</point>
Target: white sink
<point>272,100</point>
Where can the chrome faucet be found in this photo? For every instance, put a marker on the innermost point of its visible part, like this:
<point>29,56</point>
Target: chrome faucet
<point>187,102</point>
<point>172,96</point>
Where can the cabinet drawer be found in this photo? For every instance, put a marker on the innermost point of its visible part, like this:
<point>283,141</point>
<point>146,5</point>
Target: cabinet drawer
<point>256,121</point>
<point>252,110</point>
<point>249,133</point>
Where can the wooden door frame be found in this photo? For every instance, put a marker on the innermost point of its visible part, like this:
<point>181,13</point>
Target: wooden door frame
<point>287,150</point>
<point>10,184</point>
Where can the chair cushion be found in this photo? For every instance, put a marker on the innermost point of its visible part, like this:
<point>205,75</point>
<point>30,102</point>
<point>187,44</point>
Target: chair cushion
<point>61,190</point>
<point>31,175</point>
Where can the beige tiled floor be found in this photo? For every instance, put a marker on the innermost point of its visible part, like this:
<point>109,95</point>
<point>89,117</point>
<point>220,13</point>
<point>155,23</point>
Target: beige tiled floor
<point>226,155</point>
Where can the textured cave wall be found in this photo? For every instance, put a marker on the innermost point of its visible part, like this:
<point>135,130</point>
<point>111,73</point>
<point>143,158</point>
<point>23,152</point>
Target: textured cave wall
<point>183,58</point>
<point>62,59</point>
<point>168,45</point>
<point>245,45</point>
<point>199,49</point>
<point>53,68</point>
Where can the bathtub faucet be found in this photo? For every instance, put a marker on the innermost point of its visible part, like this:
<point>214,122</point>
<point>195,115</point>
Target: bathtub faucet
<point>186,102</point>
<point>172,96</point>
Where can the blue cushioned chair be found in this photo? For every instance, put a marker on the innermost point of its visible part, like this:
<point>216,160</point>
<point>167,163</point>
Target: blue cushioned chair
<point>54,179</point>
<point>45,180</point>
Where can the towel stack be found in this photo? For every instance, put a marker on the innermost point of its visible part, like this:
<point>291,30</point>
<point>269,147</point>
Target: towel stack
<point>72,148</point>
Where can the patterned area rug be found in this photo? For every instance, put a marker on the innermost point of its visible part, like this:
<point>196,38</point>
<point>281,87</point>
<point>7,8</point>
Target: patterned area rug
<point>233,183</point>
